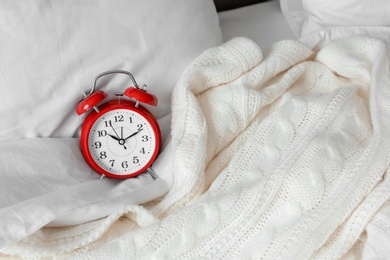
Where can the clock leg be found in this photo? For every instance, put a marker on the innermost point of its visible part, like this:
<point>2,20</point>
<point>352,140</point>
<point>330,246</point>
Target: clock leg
<point>103,176</point>
<point>152,173</point>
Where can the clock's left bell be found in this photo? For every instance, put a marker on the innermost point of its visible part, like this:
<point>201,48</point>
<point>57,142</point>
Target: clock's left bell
<point>90,101</point>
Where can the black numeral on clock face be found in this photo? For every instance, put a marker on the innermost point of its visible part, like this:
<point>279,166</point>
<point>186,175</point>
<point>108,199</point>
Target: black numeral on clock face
<point>103,155</point>
<point>125,165</point>
<point>102,133</point>
<point>108,123</point>
<point>119,118</point>
<point>112,162</point>
<point>135,159</point>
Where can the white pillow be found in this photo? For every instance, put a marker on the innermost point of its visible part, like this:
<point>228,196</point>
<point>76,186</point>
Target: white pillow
<point>319,39</point>
<point>307,16</point>
<point>51,52</point>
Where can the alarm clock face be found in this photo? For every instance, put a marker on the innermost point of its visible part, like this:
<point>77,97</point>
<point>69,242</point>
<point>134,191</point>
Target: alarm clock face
<point>122,143</point>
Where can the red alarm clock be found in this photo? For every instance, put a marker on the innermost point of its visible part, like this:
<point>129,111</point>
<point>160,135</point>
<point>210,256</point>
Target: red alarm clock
<point>119,138</point>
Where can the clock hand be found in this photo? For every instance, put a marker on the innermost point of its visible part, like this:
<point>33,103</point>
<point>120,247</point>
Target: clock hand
<point>115,133</point>
<point>114,137</point>
<point>122,141</point>
<point>119,139</point>
<point>133,134</point>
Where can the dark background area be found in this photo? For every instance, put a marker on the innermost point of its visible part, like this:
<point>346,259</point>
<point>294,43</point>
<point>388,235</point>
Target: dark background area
<point>223,5</point>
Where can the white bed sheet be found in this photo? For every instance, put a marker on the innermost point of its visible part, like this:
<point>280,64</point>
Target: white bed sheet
<point>263,23</point>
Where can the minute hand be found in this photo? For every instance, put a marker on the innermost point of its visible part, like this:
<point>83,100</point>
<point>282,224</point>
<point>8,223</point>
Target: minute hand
<point>133,134</point>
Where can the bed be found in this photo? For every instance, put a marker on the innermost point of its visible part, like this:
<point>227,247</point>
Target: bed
<point>274,119</point>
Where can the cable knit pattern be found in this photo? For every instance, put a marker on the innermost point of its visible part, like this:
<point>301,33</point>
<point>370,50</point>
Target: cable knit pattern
<point>281,156</point>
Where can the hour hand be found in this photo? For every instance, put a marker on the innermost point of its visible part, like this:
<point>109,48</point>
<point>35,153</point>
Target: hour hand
<point>114,137</point>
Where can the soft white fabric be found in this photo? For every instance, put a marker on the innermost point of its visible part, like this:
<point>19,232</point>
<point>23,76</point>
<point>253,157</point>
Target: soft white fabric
<point>46,182</point>
<point>307,16</point>
<point>276,157</point>
<point>51,52</point>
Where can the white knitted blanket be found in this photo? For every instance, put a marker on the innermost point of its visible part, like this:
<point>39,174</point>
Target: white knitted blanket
<point>276,157</point>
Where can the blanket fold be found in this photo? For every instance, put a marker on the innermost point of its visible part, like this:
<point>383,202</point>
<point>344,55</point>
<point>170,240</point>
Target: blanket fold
<point>276,156</point>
